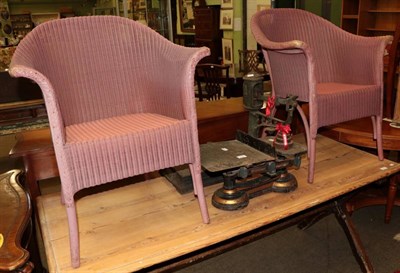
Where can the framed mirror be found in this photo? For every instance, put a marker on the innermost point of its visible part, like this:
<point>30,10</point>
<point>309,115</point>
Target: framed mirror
<point>186,15</point>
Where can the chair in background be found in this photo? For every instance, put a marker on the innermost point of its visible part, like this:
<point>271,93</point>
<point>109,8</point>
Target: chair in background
<point>339,75</point>
<point>252,60</point>
<point>391,136</point>
<point>393,106</point>
<point>120,101</point>
<point>211,79</point>
<point>393,65</point>
<point>359,133</point>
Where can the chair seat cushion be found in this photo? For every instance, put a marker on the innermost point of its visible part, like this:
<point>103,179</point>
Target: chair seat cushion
<point>339,102</point>
<point>118,147</point>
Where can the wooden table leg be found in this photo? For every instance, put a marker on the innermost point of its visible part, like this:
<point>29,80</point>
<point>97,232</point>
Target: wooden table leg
<point>391,197</point>
<point>347,225</point>
<point>38,166</point>
<point>304,220</point>
<point>30,180</point>
<point>338,207</point>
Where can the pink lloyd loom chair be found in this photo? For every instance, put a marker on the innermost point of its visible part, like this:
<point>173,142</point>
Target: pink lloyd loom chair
<point>340,75</point>
<point>120,101</point>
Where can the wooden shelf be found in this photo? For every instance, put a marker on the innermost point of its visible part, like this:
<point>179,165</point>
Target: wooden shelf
<point>370,17</point>
<point>350,7</point>
<point>381,29</point>
<point>350,16</point>
<point>384,10</point>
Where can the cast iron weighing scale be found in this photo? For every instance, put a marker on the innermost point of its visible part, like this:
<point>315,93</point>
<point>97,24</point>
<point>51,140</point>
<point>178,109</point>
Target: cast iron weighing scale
<point>251,166</point>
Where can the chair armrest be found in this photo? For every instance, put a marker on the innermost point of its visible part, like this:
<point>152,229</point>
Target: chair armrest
<point>359,59</point>
<point>292,58</point>
<point>175,74</point>
<point>52,105</point>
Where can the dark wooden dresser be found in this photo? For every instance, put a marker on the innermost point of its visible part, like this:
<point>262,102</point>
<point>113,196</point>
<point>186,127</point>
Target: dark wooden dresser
<point>207,32</point>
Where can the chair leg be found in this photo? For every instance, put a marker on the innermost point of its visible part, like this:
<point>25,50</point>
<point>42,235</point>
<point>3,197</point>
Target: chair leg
<point>62,196</point>
<point>192,171</point>
<point>391,197</point>
<point>311,161</point>
<point>195,170</point>
<point>73,234</point>
<point>379,144</point>
<point>310,145</point>
<point>306,128</point>
<point>373,119</point>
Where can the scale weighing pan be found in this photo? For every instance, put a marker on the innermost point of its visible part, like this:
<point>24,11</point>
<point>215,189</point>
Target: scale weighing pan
<point>227,155</point>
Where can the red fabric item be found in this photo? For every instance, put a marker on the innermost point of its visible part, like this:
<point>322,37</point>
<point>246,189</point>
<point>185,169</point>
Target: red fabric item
<point>270,105</point>
<point>284,130</point>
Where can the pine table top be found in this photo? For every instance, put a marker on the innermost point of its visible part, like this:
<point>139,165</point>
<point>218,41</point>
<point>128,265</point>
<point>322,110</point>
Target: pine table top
<point>142,224</point>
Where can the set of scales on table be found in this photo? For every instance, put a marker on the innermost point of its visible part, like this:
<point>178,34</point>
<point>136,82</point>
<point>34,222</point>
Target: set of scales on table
<point>250,166</point>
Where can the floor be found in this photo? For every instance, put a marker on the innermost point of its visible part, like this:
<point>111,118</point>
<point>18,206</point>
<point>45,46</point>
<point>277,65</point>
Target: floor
<point>321,248</point>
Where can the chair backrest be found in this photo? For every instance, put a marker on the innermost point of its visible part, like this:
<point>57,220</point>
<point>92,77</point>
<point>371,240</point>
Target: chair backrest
<point>98,66</point>
<point>251,60</point>
<point>393,64</point>
<point>306,47</point>
<point>209,78</point>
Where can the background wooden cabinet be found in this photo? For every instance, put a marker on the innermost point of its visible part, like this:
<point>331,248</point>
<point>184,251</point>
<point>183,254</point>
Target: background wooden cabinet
<point>370,17</point>
<point>207,32</point>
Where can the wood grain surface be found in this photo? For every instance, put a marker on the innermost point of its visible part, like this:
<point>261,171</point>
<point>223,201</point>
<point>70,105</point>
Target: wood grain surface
<point>133,227</point>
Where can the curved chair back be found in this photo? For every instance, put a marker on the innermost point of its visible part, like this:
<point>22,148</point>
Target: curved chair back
<point>124,53</point>
<point>308,48</point>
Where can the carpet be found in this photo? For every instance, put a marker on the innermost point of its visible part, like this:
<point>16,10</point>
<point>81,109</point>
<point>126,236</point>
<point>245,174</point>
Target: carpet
<point>322,248</point>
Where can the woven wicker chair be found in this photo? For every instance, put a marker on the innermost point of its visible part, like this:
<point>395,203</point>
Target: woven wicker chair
<point>120,101</point>
<point>339,75</point>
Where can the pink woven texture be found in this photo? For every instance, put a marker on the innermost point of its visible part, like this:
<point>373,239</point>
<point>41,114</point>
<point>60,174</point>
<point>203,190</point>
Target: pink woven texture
<point>120,101</point>
<point>145,143</point>
<point>338,73</point>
